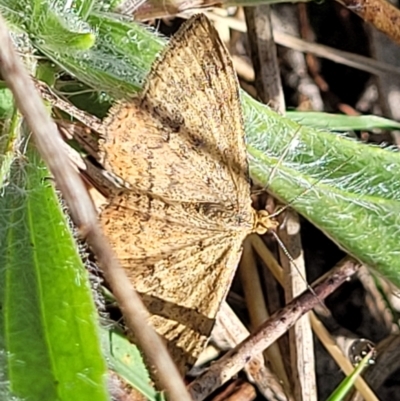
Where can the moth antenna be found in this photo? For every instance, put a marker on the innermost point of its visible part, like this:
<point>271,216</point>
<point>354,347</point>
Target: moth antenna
<point>292,261</point>
<point>282,209</point>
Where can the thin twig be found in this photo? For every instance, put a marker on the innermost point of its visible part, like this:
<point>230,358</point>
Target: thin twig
<point>234,332</point>
<point>319,330</point>
<point>49,144</point>
<point>258,311</point>
<point>233,361</point>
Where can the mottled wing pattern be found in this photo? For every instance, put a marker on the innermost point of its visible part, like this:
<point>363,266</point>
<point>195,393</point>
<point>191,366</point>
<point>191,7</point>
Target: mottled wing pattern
<point>194,130</point>
<point>180,147</point>
<point>183,269</point>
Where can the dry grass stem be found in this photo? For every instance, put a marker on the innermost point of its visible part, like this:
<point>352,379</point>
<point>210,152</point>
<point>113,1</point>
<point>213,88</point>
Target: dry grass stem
<point>270,331</point>
<point>50,146</point>
<point>234,332</point>
<point>183,209</point>
<point>258,312</point>
<point>362,63</point>
<point>336,353</point>
<point>300,335</point>
<point>319,330</point>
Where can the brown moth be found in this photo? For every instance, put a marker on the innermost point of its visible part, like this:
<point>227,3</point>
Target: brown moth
<point>179,225</point>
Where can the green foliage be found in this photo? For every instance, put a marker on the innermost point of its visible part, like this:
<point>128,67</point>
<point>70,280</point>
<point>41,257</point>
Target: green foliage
<point>349,190</point>
<point>347,384</point>
<point>341,122</point>
<point>123,357</point>
<point>6,102</point>
<point>49,338</point>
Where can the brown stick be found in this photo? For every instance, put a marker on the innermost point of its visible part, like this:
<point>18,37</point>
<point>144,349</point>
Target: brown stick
<point>233,361</point>
<point>264,56</point>
<point>49,144</point>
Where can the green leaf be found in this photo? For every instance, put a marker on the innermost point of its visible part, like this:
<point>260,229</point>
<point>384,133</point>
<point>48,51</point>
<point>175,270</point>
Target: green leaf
<point>63,32</point>
<point>349,190</point>
<point>118,62</point>
<point>341,122</point>
<point>9,133</point>
<point>125,359</point>
<point>83,7</point>
<point>6,102</point>
<point>49,340</point>
<point>17,13</point>
<point>45,72</point>
<point>347,384</point>
<point>352,190</point>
